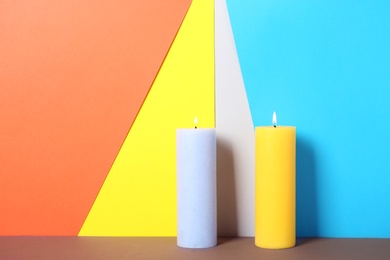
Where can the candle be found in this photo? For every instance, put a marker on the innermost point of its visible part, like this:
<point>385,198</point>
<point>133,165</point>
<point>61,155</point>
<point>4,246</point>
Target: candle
<point>275,186</point>
<point>196,187</point>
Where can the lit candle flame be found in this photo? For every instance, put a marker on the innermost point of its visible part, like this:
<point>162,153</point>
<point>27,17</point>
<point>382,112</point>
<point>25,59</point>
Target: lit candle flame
<point>196,122</point>
<point>274,122</point>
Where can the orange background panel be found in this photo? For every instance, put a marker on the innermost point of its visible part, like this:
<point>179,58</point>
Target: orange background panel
<point>73,76</point>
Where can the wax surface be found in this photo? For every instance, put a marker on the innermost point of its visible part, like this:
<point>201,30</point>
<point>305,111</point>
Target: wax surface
<point>275,187</point>
<point>196,188</point>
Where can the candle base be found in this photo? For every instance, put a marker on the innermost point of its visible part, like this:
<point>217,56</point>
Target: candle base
<point>284,245</point>
<point>196,245</point>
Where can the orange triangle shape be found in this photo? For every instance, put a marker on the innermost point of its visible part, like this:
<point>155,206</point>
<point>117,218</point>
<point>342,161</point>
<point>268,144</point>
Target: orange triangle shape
<point>74,75</point>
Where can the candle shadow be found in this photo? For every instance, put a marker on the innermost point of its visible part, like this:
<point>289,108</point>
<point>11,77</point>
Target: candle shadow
<point>306,191</point>
<point>226,191</point>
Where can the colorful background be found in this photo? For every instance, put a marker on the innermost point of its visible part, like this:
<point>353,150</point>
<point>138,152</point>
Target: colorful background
<point>92,92</point>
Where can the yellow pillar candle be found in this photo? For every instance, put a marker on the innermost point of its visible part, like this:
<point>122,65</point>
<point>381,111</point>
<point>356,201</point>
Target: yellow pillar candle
<point>275,186</point>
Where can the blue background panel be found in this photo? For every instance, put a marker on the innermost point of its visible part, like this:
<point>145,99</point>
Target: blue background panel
<point>324,66</point>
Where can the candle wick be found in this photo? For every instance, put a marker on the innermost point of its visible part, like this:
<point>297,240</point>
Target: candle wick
<point>196,127</point>
<point>274,126</point>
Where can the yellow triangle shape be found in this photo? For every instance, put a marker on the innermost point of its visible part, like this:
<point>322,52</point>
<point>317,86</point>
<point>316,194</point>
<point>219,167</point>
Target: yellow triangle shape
<point>138,197</point>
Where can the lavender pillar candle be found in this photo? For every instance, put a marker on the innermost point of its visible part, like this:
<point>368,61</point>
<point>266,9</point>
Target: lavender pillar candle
<point>196,188</point>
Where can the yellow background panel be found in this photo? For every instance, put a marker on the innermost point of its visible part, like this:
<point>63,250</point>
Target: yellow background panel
<point>138,197</point>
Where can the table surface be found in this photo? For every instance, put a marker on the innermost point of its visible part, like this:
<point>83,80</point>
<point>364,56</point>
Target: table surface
<point>166,248</point>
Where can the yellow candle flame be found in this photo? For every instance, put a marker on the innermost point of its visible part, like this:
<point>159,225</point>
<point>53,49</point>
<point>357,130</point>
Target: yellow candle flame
<point>274,121</point>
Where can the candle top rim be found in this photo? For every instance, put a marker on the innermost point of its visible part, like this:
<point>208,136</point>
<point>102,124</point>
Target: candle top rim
<point>277,126</point>
<point>196,129</point>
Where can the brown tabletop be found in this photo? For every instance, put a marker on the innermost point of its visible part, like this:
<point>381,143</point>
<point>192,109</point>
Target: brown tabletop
<point>165,248</point>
